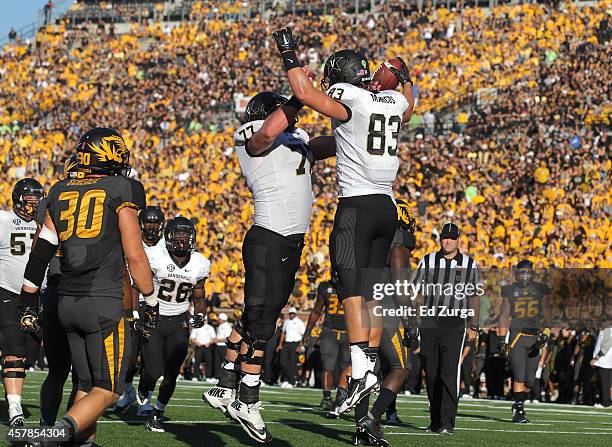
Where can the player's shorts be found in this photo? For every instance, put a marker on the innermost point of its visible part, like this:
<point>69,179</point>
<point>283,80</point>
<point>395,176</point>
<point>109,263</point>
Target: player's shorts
<point>364,227</point>
<point>393,353</point>
<point>54,336</point>
<point>270,263</point>
<point>522,366</point>
<point>99,340</point>
<point>335,349</point>
<point>14,343</point>
<point>165,351</point>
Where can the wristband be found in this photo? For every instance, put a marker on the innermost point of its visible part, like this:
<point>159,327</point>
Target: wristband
<point>28,298</point>
<point>295,103</point>
<point>290,60</point>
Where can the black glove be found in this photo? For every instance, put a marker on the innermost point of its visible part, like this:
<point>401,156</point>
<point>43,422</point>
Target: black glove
<point>287,43</point>
<point>196,321</point>
<point>403,76</point>
<point>29,320</point>
<point>145,325</point>
<point>534,350</point>
<point>503,347</point>
<point>411,335</point>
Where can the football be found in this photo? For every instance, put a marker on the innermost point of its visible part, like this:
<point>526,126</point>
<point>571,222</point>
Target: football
<point>385,77</point>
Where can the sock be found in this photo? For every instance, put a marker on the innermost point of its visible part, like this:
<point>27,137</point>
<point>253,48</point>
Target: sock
<point>251,380</point>
<point>67,421</point>
<point>340,394</point>
<point>385,398</point>
<point>249,394</point>
<point>372,354</point>
<point>13,398</point>
<point>519,399</point>
<point>159,406</point>
<point>326,394</point>
<point>359,360</point>
<point>129,387</point>
<point>392,408</point>
<point>361,410</point>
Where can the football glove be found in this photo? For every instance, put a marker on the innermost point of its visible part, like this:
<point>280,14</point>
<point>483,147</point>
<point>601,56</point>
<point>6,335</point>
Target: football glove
<point>197,321</point>
<point>285,40</point>
<point>287,43</point>
<point>144,326</point>
<point>411,335</point>
<point>403,76</point>
<point>503,348</point>
<point>29,320</point>
<point>540,342</point>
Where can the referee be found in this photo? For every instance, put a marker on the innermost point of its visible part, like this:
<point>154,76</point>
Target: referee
<point>442,275</point>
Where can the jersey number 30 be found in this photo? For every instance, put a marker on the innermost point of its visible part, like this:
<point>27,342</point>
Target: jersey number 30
<point>88,220</point>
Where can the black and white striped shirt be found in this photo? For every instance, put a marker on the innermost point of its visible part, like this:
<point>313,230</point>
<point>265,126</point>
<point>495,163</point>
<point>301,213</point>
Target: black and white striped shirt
<point>446,282</point>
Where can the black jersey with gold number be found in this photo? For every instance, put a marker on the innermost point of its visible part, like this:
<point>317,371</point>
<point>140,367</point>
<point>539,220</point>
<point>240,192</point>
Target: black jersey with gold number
<point>526,306</point>
<point>85,214</point>
<point>334,311</point>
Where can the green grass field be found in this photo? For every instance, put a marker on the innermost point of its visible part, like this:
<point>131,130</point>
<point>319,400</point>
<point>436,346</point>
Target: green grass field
<point>294,419</point>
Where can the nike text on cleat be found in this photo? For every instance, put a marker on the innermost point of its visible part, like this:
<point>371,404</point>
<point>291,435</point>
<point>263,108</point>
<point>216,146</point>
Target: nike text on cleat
<point>219,398</point>
<point>357,390</point>
<point>248,415</point>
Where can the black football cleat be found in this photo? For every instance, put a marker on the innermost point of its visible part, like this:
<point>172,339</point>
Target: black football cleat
<point>393,419</point>
<point>155,421</point>
<point>327,404</point>
<point>371,427</point>
<point>360,438</point>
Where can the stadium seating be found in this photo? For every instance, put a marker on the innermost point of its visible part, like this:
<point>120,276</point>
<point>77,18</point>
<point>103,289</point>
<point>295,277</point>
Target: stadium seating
<point>524,171</point>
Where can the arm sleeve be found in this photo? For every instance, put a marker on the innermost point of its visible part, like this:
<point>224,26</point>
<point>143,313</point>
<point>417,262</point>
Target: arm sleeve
<point>129,193</point>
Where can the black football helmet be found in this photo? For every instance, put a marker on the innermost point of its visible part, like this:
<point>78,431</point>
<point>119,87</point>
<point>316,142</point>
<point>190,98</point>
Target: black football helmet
<point>70,166</point>
<point>261,105</point>
<point>523,273</point>
<point>152,222</point>
<point>27,194</point>
<point>180,235</point>
<point>102,151</point>
<point>347,66</point>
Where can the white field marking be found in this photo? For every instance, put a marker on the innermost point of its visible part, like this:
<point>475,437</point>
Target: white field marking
<point>515,431</point>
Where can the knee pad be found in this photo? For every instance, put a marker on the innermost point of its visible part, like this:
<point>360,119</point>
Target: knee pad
<point>254,344</point>
<point>10,364</point>
<point>235,346</point>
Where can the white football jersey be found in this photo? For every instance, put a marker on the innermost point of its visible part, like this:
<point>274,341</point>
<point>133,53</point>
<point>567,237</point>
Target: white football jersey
<point>146,247</point>
<point>173,284</point>
<point>279,179</point>
<point>15,244</point>
<point>366,144</point>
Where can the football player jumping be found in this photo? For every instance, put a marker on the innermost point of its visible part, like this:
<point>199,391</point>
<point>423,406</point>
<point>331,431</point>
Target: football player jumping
<point>276,159</point>
<point>366,126</point>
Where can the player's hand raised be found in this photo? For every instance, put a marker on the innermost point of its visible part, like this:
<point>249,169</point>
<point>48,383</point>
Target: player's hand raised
<point>403,75</point>
<point>285,40</point>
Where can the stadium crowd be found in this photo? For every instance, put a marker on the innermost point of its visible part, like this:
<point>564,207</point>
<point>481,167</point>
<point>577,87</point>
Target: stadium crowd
<point>524,170</point>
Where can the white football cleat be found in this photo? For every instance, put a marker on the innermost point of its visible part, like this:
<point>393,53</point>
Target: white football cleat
<point>250,418</point>
<point>357,390</point>
<point>124,402</point>
<point>144,404</point>
<point>219,398</point>
<point>16,417</point>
